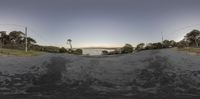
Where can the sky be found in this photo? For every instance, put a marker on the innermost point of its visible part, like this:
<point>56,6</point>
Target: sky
<point>100,23</point>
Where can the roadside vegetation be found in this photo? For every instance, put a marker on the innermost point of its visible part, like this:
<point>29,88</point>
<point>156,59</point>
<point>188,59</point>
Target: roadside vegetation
<point>190,49</point>
<point>15,52</point>
<point>190,43</point>
<point>127,48</point>
<point>13,43</point>
<point>15,40</point>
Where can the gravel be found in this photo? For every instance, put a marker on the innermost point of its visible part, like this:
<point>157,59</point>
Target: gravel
<point>162,73</point>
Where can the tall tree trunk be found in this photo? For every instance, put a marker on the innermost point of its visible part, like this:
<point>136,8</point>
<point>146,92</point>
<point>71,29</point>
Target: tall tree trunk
<point>197,45</point>
<point>1,43</point>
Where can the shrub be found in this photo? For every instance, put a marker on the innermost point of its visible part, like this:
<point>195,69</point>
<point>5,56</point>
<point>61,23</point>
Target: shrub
<point>77,52</point>
<point>62,50</point>
<point>128,48</point>
<point>157,45</point>
<point>114,52</point>
<point>149,46</point>
<point>172,43</point>
<point>50,49</point>
<point>140,47</point>
<point>104,52</point>
<point>154,46</point>
<point>180,45</point>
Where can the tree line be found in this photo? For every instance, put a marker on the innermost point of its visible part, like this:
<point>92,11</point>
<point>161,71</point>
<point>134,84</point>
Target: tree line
<point>191,39</point>
<point>16,40</point>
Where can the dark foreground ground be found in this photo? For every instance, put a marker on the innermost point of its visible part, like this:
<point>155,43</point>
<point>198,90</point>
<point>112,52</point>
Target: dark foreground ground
<point>156,74</point>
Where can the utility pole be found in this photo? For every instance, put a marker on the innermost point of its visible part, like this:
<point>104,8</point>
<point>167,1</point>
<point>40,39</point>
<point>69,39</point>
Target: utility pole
<point>162,38</point>
<point>1,40</point>
<point>26,48</point>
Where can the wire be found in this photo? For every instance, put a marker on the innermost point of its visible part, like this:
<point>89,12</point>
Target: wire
<point>38,36</point>
<point>22,28</point>
<point>190,26</point>
<point>183,28</point>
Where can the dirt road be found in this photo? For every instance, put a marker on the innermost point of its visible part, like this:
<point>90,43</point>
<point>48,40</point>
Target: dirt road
<point>150,74</point>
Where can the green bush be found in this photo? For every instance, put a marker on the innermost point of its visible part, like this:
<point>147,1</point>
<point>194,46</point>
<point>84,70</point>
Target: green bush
<point>128,48</point>
<point>151,46</point>
<point>180,45</point>
<point>62,50</point>
<point>114,52</point>
<point>51,49</point>
<point>104,52</point>
<point>77,52</point>
<point>140,47</point>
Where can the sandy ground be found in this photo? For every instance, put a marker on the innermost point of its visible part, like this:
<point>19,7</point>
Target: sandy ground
<point>152,74</point>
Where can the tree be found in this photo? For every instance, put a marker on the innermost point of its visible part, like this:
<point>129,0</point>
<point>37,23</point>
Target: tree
<point>154,46</point>
<point>16,37</point>
<point>62,50</point>
<point>157,45</point>
<point>140,46</point>
<point>105,52</point>
<point>193,37</point>
<point>172,43</point>
<point>2,37</point>
<point>183,43</point>
<point>78,52</point>
<point>166,44</point>
<point>169,43</point>
<point>30,40</point>
<point>149,46</point>
<point>128,48</point>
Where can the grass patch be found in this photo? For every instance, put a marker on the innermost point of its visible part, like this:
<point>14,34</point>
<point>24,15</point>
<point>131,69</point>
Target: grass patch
<point>14,52</point>
<point>190,49</point>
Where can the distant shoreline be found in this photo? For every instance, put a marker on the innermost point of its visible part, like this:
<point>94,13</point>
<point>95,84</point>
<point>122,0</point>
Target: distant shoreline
<point>96,51</point>
<point>109,48</point>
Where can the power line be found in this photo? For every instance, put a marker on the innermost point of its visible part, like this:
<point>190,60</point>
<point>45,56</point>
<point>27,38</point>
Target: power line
<point>16,25</point>
<point>26,48</point>
<point>183,28</point>
<point>22,29</point>
<point>26,33</point>
<point>38,36</point>
<point>162,36</point>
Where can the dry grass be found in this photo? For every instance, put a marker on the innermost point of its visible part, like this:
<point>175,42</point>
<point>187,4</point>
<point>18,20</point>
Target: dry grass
<point>13,52</point>
<point>189,49</point>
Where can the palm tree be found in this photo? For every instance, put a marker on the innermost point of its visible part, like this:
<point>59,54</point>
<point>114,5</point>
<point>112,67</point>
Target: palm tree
<point>69,42</point>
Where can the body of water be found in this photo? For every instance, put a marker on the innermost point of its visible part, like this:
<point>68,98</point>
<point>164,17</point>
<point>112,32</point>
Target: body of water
<point>95,51</point>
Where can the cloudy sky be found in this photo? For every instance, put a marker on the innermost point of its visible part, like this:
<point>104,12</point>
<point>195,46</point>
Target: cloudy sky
<point>100,22</point>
